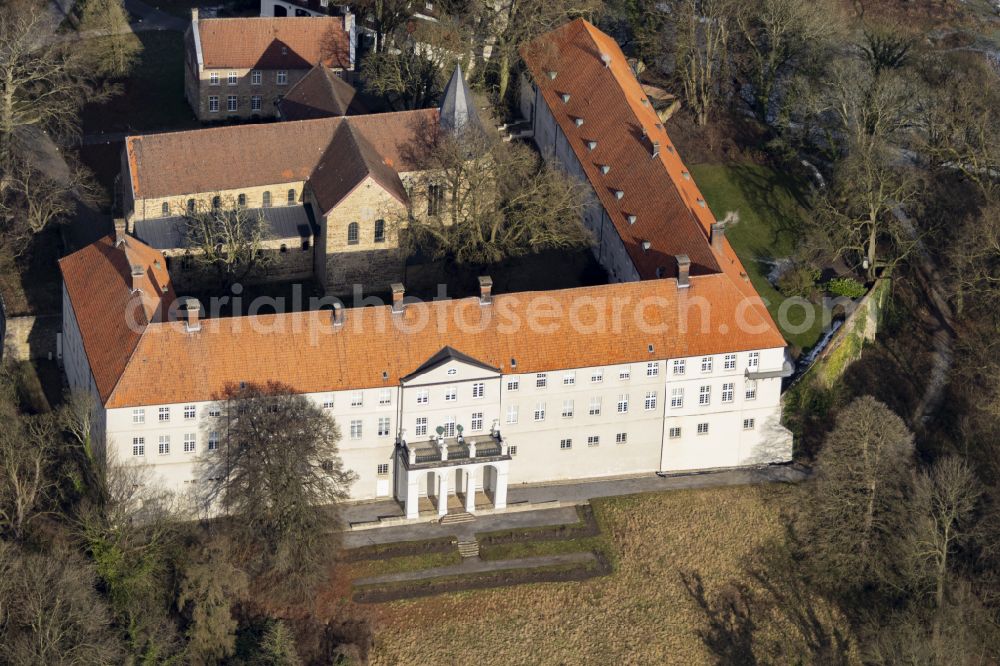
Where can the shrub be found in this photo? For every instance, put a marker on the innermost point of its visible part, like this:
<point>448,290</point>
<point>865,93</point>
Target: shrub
<point>846,286</point>
<point>798,280</point>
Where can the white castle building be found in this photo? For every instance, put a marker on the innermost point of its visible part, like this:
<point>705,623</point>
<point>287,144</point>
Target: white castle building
<point>674,366</point>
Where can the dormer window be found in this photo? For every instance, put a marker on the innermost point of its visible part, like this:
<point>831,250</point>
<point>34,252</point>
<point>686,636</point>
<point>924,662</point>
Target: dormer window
<point>565,98</point>
<point>578,121</point>
<point>605,169</point>
<point>591,145</point>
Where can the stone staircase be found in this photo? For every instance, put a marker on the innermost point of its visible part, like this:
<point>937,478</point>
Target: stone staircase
<point>468,548</point>
<point>456,518</point>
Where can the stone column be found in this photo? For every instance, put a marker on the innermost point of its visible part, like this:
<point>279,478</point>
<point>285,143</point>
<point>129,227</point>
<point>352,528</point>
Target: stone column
<point>412,506</point>
<point>470,489</point>
<point>500,491</point>
<point>442,494</point>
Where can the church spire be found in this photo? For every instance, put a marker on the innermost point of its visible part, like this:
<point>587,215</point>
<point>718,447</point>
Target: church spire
<point>457,107</point>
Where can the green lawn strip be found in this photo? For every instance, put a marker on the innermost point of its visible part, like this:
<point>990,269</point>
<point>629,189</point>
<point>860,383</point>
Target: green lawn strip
<point>771,210</point>
<point>152,96</point>
<point>398,549</point>
<point>391,565</point>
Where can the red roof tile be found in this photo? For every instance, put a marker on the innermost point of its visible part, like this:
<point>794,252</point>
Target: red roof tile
<point>320,94</point>
<point>274,43</point>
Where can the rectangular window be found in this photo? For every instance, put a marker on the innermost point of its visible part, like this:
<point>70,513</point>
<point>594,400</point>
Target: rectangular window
<point>385,397</point>
<point>753,359</point>
<point>164,445</point>
<point>231,103</point>
<point>423,395</point>
<point>751,389</point>
<point>513,384</point>
<point>624,374</point>
<point>621,438</point>
<point>213,78</point>
<point>565,444</point>
<point>748,424</point>
<point>356,429</point>
<point>679,366</point>
<point>255,102</point>
<point>138,416</point>
<point>540,411</point>
<point>382,469</point>
<point>728,391</point>
<point>421,429</point>
<point>675,433</point>
<point>597,376</point>
<point>652,369</point>
<point>477,421</point>
<point>595,407</point>
<point>189,412</point>
<point>232,78</point>
<point>256,76</point>
<point>214,412</point>
<point>357,399</point>
<point>623,403</point>
<point>593,440</point>
<point>379,235</point>
<point>383,426</point>
<point>282,78</point>
<point>676,398</point>
<point>213,103</point>
<point>702,428</point>
<point>449,426</point>
<point>328,403</point>
<point>190,442</point>
<point>478,390</point>
<point>511,413</point>
<point>451,394</point>
<point>650,401</point>
<point>706,364</point>
<point>138,446</point>
<point>541,380</point>
<point>704,395</point>
<point>213,440</point>
<point>729,362</point>
<point>569,379</point>
<point>435,195</point>
<point>567,410</point>
<point>512,450</point>
<point>164,414</point>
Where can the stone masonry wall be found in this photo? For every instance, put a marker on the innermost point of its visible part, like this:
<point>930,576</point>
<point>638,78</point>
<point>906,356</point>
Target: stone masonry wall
<point>30,337</point>
<point>152,207</point>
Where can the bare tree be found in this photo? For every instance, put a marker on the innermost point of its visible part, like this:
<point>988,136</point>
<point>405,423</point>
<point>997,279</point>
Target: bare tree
<point>280,477</point>
<point>385,16</point>
<point>700,36</point>
<point>114,49</point>
<point>27,448</point>
<point>29,202</point>
<point>479,200</point>
<point>227,239</point>
<point>856,514</point>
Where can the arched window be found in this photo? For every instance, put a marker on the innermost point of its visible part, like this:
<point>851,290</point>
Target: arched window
<point>267,199</point>
<point>379,231</point>
<point>291,196</point>
<point>165,209</point>
<point>216,202</point>
<point>241,200</point>
<point>352,233</point>
<point>190,205</point>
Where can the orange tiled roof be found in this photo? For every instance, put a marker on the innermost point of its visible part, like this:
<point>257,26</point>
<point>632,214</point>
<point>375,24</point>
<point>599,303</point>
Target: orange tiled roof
<point>274,43</point>
<point>110,314</point>
<point>610,101</point>
<point>231,157</point>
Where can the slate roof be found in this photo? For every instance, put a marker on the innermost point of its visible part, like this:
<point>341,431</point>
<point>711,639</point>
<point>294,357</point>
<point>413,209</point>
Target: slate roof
<point>320,94</point>
<point>167,233</point>
<point>348,161</point>
<point>458,109</point>
<point>274,43</point>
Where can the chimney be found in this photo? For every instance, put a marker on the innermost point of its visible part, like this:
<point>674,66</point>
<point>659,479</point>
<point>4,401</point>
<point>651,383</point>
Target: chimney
<point>397,297</point>
<point>121,229</point>
<point>718,235</point>
<point>192,323</point>
<point>194,15</point>
<point>683,271</point>
<point>485,290</point>
<point>338,314</point>
<point>656,149</point>
<point>137,273</point>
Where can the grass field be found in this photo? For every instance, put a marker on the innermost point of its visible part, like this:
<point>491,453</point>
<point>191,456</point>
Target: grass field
<point>642,613</point>
<point>770,211</point>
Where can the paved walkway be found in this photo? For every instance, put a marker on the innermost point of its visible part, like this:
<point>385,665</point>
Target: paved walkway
<point>475,565</point>
<point>565,493</point>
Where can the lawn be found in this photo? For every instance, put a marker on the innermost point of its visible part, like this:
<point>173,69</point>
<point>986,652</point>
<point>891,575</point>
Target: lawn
<point>642,613</point>
<point>152,96</point>
<point>771,210</point>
